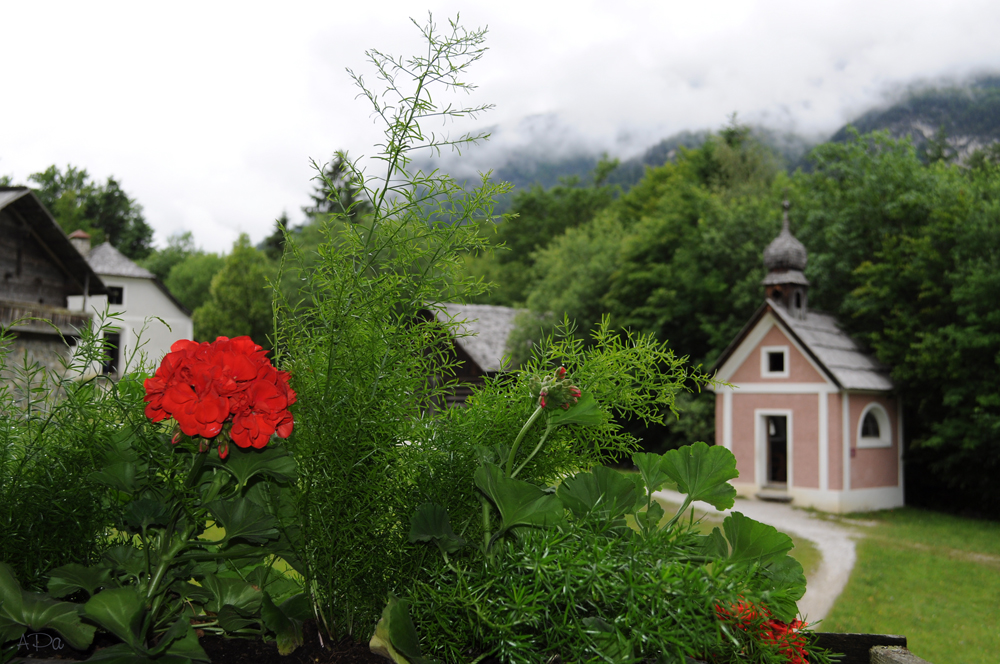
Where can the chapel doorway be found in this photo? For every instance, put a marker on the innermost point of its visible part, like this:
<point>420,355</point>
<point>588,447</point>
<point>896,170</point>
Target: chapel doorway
<point>777,450</point>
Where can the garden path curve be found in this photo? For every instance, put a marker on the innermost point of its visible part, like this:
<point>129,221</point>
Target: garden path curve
<point>834,542</point>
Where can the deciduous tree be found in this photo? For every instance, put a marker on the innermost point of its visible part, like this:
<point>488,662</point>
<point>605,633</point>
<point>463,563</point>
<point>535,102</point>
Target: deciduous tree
<point>240,299</point>
<point>103,210</point>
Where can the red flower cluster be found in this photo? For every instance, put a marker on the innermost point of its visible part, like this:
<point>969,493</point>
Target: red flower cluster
<point>203,386</point>
<point>757,620</point>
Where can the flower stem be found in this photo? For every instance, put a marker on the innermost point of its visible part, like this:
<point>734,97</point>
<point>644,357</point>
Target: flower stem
<point>533,452</point>
<point>486,523</point>
<point>520,437</point>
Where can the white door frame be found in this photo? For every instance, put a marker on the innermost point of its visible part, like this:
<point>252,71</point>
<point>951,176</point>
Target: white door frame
<point>760,416</point>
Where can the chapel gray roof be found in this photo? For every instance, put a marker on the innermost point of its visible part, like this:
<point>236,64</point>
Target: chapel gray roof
<point>785,252</point>
<point>482,331</point>
<point>109,262</point>
<point>835,350</point>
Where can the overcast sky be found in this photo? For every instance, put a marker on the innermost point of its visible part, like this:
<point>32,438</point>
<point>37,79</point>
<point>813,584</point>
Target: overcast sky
<point>208,113</point>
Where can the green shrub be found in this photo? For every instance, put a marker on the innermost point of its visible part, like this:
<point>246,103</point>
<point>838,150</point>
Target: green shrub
<point>51,425</point>
<point>366,364</point>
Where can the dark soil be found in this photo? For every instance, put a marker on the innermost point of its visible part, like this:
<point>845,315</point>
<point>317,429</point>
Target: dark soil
<point>220,650</point>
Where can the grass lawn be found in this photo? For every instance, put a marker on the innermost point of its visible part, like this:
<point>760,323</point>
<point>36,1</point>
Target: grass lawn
<point>931,577</point>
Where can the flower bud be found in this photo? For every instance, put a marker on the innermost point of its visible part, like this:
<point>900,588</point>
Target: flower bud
<point>555,390</point>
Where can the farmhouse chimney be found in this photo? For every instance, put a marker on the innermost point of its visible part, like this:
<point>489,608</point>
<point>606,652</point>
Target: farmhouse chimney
<point>81,240</point>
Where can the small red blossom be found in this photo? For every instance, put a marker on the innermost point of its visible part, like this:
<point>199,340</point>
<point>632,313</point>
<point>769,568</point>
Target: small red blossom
<point>757,620</point>
<point>205,386</point>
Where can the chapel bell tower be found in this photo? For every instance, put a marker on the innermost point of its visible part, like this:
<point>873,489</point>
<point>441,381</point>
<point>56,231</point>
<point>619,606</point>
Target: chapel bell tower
<point>785,259</point>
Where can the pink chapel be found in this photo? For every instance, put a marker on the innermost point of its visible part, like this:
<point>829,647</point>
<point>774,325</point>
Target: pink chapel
<point>811,418</point>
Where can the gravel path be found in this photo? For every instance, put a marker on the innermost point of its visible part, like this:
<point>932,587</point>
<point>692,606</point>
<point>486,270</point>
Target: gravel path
<point>834,542</point>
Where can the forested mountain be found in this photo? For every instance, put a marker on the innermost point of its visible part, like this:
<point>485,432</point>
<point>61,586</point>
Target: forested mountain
<point>524,169</point>
<point>956,119</point>
<point>966,116</point>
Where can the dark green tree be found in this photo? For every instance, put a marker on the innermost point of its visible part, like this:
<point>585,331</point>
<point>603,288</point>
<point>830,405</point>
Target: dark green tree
<point>240,297</point>
<point>860,192</point>
<point>928,304</point>
<point>191,279</point>
<point>984,157</point>
<point>937,148</point>
<point>334,192</point>
<point>538,216</point>
<point>103,210</point>
<point>274,244</point>
<point>179,247</point>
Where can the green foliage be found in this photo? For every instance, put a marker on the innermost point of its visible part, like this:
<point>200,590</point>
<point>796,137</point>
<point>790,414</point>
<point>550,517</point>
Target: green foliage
<point>240,297</point>
<point>190,280</point>
<point>688,269</point>
<point>395,636</point>
<point>180,246</point>
<point>901,251</point>
<point>860,193</point>
<point>519,503</point>
<point>430,523</point>
<point>21,610</point>
<point>139,591</point>
<point>286,620</point>
<point>670,257</point>
<point>538,216</point>
<point>703,473</point>
<point>907,254</point>
<point>120,529</point>
<point>600,490</point>
<point>51,423</point>
<point>103,210</point>
<point>585,588</point>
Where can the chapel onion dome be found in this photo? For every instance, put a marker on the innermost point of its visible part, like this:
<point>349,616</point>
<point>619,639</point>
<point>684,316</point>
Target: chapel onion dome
<point>785,252</point>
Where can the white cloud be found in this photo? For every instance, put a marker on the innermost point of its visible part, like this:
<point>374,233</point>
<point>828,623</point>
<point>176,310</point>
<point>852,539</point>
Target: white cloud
<point>208,113</point>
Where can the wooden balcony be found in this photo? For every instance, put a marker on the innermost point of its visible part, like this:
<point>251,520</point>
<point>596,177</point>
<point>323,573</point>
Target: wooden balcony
<point>39,319</point>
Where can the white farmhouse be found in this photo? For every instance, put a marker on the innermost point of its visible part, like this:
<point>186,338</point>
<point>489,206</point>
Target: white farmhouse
<point>150,314</point>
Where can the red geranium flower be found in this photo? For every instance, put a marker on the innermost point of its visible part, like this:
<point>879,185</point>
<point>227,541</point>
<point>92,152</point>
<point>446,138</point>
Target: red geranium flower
<point>757,620</point>
<point>204,386</point>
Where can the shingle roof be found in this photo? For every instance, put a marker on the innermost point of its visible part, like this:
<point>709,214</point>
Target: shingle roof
<point>483,330</point>
<point>837,354</point>
<point>836,351</point>
<point>108,261</point>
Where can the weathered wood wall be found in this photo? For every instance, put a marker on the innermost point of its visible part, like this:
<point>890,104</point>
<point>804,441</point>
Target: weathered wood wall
<point>27,272</point>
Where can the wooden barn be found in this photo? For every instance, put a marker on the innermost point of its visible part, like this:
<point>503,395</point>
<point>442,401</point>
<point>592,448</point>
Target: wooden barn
<point>41,270</point>
<point>479,344</point>
<point>811,417</point>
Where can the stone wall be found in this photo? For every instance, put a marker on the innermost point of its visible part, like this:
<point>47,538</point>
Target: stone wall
<point>48,350</point>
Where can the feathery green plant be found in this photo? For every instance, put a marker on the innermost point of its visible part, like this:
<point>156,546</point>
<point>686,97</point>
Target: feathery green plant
<point>363,347</point>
